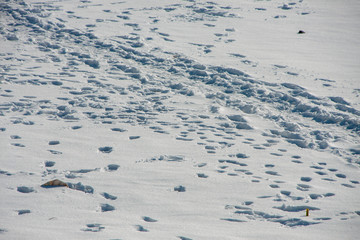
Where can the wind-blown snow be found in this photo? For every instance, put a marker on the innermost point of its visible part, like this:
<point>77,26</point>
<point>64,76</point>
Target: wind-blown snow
<point>179,119</point>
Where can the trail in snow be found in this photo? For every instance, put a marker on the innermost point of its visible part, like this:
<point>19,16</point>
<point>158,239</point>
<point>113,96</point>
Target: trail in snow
<point>85,98</point>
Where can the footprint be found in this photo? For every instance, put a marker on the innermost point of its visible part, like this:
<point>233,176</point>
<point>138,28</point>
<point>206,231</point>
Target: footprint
<point>49,163</point>
<point>184,238</point>
<point>306,179</point>
<point>201,165</point>
<point>303,187</point>
<point>241,155</point>
<point>55,152</point>
<point>106,149</point>
<point>80,187</point>
<point>286,193</point>
<point>315,196</point>
<point>180,188</point>
<point>112,167</point>
<point>340,175</point>
<point>24,189</point>
<point>232,220</point>
<point>23,211</point>
<point>317,167</point>
<point>93,227</point>
<point>118,130</point>
<point>141,228</point>
<point>202,175</point>
<point>329,194</point>
<point>328,179</point>
<point>149,219</point>
<point>107,207</point>
<point>277,154</point>
<point>108,196</point>
<point>273,173</point>
<point>269,165</point>
<point>18,145</point>
<point>233,174</point>
<point>348,185</point>
<point>134,137</point>
<point>54,142</point>
<point>15,137</point>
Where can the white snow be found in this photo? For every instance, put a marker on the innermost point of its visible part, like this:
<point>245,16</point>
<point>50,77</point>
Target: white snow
<point>180,119</point>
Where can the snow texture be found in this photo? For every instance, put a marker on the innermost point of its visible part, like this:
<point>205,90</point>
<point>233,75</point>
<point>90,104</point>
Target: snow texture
<point>180,119</point>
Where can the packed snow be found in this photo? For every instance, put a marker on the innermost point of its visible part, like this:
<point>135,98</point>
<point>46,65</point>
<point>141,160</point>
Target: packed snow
<point>183,119</point>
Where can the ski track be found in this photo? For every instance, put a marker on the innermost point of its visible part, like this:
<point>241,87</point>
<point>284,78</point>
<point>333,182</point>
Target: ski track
<point>117,86</point>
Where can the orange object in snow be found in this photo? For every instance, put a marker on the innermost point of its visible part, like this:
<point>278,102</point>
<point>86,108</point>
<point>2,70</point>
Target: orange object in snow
<point>55,183</point>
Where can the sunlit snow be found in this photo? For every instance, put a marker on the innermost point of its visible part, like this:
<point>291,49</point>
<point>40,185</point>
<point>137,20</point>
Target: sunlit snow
<point>183,119</point>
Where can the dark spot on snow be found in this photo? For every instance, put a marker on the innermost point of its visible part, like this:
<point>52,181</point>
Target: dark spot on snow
<point>93,63</point>
<point>93,227</point>
<point>180,189</point>
<point>141,228</point>
<point>118,130</point>
<point>113,167</point>
<point>340,175</point>
<point>108,196</point>
<point>106,149</point>
<point>232,220</point>
<point>49,163</point>
<point>107,207</point>
<point>15,137</point>
<point>149,219</point>
<point>184,238</point>
<point>306,179</point>
<point>18,145</point>
<point>202,175</point>
<point>24,189</point>
<point>80,187</point>
<point>54,142</point>
<point>55,152</point>
<point>241,155</point>
<point>134,137</point>
<point>272,173</point>
<point>347,185</point>
<point>24,211</point>
<point>315,196</point>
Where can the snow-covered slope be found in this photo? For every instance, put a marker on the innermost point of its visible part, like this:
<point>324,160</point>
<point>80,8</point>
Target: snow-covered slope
<point>179,119</point>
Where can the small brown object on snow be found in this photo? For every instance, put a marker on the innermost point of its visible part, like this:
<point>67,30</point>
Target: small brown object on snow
<point>301,32</point>
<point>54,183</point>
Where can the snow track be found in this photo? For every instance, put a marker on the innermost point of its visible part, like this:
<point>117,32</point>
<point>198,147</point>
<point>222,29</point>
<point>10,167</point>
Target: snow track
<point>160,141</point>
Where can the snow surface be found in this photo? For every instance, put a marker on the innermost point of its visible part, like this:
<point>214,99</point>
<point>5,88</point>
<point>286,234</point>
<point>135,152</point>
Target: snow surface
<point>180,119</point>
